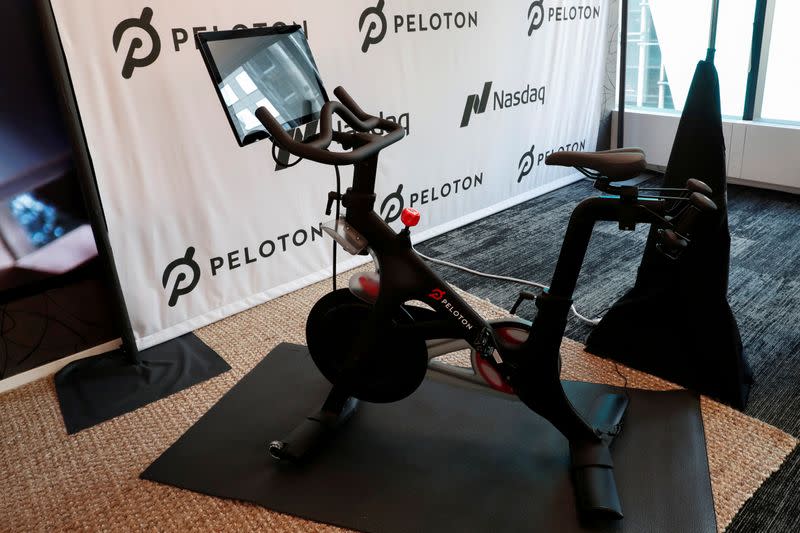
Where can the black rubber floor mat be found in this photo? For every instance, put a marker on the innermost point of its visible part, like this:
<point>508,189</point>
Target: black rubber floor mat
<point>445,459</point>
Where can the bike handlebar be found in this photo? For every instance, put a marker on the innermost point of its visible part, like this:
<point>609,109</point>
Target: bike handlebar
<point>316,149</point>
<point>674,240</point>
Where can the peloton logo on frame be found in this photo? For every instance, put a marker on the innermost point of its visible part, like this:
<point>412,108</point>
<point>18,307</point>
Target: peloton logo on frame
<point>393,205</point>
<point>373,24</point>
<point>141,29</point>
<point>532,158</point>
<point>538,14</point>
<point>477,103</point>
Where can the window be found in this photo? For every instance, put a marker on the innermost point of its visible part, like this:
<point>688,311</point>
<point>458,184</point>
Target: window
<point>780,100</point>
<point>666,39</point>
<point>646,82</point>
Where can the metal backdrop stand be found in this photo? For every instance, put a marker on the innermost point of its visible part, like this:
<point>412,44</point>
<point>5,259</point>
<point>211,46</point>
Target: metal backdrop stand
<point>100,388</point>
<point>687,297</point>
<point>712,33</point>
<point>623,58</point>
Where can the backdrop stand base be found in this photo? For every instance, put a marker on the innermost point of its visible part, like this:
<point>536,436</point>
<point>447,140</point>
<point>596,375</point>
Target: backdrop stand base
<point>100,388</point>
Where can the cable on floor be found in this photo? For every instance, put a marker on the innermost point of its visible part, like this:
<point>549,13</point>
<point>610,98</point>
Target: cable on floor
<point>590,321</point>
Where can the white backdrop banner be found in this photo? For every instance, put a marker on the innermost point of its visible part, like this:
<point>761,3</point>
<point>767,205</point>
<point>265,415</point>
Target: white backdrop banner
<point>201,228</point>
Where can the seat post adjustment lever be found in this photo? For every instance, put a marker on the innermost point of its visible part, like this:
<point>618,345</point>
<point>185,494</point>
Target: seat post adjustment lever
<point>332,197</point>
<point>524,295</point>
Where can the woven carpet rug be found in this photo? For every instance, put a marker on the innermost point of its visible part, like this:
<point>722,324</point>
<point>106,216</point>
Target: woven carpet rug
<point>52,481</point>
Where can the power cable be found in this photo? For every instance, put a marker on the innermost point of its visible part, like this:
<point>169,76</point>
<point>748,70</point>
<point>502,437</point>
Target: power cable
<point>590,321</point>
<point>338,209</point>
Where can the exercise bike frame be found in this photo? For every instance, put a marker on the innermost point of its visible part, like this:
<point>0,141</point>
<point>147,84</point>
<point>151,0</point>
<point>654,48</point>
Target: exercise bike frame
<point>525,364</point>
<point>532,368</point>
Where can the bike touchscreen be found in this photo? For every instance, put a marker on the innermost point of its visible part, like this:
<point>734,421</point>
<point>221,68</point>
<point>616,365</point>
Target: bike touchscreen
<point>263,67</point>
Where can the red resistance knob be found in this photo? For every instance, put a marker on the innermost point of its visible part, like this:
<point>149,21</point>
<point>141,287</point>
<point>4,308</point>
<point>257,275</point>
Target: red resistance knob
<point>410,217</point>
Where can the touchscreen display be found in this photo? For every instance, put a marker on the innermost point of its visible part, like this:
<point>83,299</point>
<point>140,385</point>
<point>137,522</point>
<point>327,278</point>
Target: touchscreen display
<point>267,67</point>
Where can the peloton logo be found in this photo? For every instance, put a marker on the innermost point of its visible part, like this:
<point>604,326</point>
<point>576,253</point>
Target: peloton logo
<point>532,159</point>
<point>437,294</point>
<point>138,55</point>
<point>477,104</point>
<point>373,24</point>
<point>535,16</point>
<point>376,30</point>
<point>181,286</point>
<point>310,129</point>
<point>526,163</point>
<point>538,14</point>
<point>182,275</point>
<point>144,23</point>
<point>393,205</point>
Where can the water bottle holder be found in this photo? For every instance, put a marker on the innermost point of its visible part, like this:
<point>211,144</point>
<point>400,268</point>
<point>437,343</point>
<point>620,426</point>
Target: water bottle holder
<point>347,236</point>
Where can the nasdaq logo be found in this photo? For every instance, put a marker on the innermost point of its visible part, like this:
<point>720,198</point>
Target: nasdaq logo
<point>503,99</point>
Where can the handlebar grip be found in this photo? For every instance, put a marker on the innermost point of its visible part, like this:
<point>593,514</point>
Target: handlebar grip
<point>315,148</point>
<point>273,127</point>
<point>671,242</point>
<point>676,239</point>
<point>699,205</point>
<point>694,185</point>
<point>370,121</point>
<point>303,149</point>
<point>345,98</point>
<point>702,202</point>
<point>687,221</point>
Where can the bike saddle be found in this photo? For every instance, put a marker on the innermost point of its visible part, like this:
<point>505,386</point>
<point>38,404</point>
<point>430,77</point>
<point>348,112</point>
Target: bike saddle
<point>616,165</point>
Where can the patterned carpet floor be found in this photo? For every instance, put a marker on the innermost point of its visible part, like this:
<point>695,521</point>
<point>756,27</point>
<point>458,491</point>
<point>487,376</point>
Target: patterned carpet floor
<point>524,242</point>
<point>89,481</point>
<point>52,481</point>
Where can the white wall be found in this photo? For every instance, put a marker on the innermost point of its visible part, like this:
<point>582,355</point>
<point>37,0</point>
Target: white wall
<point>757,153</point>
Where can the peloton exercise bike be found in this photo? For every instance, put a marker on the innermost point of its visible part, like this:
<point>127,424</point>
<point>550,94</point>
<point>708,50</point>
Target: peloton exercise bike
<point>367,339</point>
